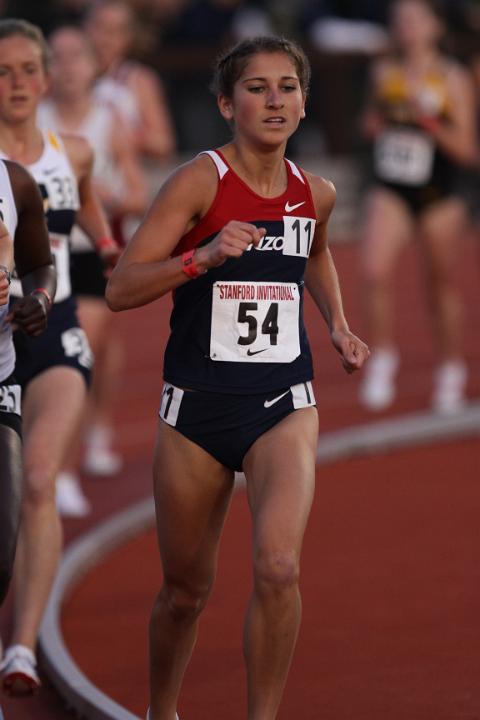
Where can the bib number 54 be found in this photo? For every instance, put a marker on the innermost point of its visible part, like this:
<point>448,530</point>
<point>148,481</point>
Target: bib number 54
<point>269,326</point>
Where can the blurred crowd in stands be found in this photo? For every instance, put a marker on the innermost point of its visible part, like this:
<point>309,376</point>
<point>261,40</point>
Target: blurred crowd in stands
<point>180,38</point>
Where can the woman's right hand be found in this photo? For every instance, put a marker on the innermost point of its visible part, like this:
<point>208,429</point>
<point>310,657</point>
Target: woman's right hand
<point>231,242</point>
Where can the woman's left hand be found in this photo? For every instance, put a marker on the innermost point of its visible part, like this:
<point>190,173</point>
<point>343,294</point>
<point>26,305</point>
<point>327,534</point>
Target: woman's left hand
<point>4,286</point>
<point>354,351</point>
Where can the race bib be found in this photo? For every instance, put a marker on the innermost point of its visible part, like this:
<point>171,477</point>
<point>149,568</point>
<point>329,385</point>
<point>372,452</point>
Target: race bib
<point>404,156</point>
<point>255,322</point>
<point>75,344</point>
<point>10,399</point>
<point>298,235</point>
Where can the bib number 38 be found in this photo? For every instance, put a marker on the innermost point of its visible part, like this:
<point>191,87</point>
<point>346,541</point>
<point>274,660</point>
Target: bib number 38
<point>255,322</point>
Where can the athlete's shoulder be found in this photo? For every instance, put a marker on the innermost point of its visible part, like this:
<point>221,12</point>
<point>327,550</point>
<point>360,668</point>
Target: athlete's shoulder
<point>197,175</point>
<point>455,72</point>
<point>22,182</point>
<point>79,153</point>
<point>77,147</point>
<point>324,193</point>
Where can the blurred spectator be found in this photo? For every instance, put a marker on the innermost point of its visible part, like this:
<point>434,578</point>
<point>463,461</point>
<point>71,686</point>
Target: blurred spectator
<point>72,108</point>
<point>421,121</point>
<point>346,25</point>
<point>132,86</point>
<point>214,23</point>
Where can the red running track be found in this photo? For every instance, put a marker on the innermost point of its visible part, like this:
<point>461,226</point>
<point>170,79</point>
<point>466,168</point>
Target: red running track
<point>366,647</point>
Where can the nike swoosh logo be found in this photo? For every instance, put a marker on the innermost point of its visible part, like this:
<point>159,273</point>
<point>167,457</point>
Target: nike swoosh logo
<point>290,208</point>
<point>50,171</point>
<point>269,403</point>
<point>255,352</point>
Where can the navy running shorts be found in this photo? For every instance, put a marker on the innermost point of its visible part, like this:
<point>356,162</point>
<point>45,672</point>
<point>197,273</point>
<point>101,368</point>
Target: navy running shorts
<point>63,343</point>
<point>226,426</point>
<point>11,404</point>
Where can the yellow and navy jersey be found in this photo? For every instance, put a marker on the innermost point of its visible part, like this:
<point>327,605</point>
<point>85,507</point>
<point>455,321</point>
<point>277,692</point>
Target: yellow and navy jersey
<point>239,327</point>
<point>58,186</point>
<point>405,154</point>
<point>400,103</point>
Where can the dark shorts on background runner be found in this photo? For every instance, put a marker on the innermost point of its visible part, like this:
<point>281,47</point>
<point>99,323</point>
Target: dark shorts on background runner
<point>10,404</point>
<point>63,343</point>
<point>226,426</point>
<point>86,273</point>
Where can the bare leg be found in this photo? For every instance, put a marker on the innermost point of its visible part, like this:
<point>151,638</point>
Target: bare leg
<point>52,404</point>
<point>388,226</point>
<point>10,495</point>
<point>99,324</point>
<point>280,473</point>
<point>192,496</point>
<point>441,228</point>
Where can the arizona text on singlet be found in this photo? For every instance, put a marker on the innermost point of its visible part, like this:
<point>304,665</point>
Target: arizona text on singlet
<point>239,327</point>
<point>56,180</point>
<point>405,154</point>
<point>8,214</point>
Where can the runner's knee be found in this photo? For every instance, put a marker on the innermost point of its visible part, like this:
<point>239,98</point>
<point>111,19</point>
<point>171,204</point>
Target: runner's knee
<point>39,485</point>
<point>184,602</point>
<point>276,571</point>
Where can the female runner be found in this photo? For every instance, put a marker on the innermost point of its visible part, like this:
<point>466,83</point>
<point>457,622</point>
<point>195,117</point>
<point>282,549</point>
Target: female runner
<point>54,368</point>
<point>23,239</point>
<point>237,233</point>
<point>130,86</point>
<point>421,118</point>
<point>71,107</point>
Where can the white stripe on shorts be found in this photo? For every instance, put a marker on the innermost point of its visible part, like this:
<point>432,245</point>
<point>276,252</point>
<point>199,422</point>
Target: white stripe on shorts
<point>170,405</point>
<point>302,395</point>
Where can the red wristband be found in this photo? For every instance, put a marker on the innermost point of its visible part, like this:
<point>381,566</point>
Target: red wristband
<point>189,265</point>
<point>45,293</point>
<point>105,242</point>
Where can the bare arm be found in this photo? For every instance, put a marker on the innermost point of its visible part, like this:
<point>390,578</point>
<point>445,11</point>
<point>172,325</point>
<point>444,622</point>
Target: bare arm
<point>91,216</point>
<point>33,258</point>
<point>156,136</point>
<point>457,137</point>
<point>133,197</point>
<point>146,272</point>
<point>6,263</point>
<point>371,122</point>
<point>321,280</point>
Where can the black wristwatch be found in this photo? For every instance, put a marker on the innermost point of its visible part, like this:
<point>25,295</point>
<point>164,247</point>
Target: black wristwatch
<point>7,273</point>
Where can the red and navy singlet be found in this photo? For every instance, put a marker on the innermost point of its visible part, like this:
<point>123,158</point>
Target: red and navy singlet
<point>239,327</point>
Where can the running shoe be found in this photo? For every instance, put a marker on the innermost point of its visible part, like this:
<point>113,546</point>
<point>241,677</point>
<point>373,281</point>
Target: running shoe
<point>377,390</point>
<point>100,459</point>
<point>19,671</point>
<point>71,502</point>
<point>450,381</point>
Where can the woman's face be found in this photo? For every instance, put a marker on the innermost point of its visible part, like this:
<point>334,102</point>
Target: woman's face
<point>23,80</point>
<point>73,66</point>
<point>267,103</point>
<point>109,29</point>
<point>414,25</point>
